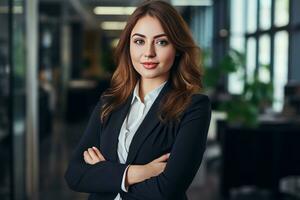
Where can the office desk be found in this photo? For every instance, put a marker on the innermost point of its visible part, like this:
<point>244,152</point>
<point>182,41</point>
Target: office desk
<point>258,156</point>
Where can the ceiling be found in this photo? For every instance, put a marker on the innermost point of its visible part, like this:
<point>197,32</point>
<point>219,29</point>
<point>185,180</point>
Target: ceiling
<point>82,10</point>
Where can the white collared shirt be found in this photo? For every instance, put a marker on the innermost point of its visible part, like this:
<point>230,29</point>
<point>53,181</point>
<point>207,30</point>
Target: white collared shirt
<point>138,111</point>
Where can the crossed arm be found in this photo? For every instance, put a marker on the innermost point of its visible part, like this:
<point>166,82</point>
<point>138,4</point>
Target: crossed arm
<point>166,177</point>
<point>135,173</point>
<point>90,172</point>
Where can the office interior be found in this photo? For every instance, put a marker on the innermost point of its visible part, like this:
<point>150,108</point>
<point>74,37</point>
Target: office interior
<point>56,58</point>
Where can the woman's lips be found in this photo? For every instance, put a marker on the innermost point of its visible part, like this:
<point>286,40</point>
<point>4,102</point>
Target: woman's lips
<point>150,65</point>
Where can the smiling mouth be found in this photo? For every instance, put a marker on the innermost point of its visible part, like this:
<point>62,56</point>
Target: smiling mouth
<point>149,65</point>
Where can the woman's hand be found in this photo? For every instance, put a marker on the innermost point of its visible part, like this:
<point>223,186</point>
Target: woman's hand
<point>92,156</point>
<point>157,166</point>
<point>139,173</point>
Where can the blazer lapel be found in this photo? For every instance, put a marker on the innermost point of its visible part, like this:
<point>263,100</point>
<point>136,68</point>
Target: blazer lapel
<point>147,125</point>
<point>109,139</point>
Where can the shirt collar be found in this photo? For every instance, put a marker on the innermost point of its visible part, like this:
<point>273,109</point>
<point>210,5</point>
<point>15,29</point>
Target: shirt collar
<point>150,96</point>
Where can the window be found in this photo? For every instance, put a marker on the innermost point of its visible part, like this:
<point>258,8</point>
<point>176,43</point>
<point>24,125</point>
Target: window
<point>250,59</point>
<point>237,42</point>
<point>280,67</point>
<point>264,14</point>
<point>263,36</point>
<point>264,58</point>
<point>251,16</point>
<point>281,13</point>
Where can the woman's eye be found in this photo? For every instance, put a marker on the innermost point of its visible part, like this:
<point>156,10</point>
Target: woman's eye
<point>162,42</point>
<point>139,42</point>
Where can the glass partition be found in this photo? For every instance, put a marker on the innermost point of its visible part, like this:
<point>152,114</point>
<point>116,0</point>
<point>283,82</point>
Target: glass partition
<point>5,121</point>
<point>12,100</point>
<point>18,120</point>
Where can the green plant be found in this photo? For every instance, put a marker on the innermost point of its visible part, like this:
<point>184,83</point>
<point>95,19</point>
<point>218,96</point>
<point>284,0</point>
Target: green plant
<point>257,95</point>
<point>231,62</point>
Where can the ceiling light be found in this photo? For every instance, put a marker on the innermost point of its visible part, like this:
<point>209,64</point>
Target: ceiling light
<point>192,2</point>
<point>107,10</point>
<point>113,25</point>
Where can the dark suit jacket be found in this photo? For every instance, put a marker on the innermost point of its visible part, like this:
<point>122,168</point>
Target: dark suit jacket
<point>185,141</point>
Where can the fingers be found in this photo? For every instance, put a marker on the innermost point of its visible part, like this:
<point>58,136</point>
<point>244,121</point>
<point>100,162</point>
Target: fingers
<point>162,158</point>
<point>93,156</point>
<point>87,158</point>
<point>98,153</point>
<point>163,166</point>
<point>156,168</point>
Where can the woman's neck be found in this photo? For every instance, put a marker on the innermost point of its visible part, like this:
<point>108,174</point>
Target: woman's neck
<point>147,85</point>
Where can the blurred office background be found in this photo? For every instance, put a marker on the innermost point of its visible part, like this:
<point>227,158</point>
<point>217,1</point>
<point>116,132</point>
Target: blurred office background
<point>56,59</point>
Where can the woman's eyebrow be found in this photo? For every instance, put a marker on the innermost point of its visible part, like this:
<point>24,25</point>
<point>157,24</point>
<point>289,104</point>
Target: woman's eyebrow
<point>143,36</point>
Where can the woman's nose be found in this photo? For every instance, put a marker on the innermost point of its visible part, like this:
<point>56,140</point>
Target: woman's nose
<point>150,51</point>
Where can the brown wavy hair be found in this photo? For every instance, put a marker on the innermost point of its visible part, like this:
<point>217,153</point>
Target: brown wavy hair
<point>185,74</point>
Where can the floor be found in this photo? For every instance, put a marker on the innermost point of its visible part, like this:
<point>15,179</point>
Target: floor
<point>55,151</point>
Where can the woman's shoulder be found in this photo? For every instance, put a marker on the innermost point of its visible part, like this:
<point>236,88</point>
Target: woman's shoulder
<point>199,103</point>
<point>199,107</point>
<point>200,98</point>
<point>100,102</point>
<point>103,98</point>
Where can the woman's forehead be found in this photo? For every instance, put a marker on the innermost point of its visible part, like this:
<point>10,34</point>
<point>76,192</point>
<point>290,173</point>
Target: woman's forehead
<point>148,26</point>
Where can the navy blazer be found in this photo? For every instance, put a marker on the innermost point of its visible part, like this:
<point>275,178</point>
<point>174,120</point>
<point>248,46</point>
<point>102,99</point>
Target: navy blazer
<point>185,141</point>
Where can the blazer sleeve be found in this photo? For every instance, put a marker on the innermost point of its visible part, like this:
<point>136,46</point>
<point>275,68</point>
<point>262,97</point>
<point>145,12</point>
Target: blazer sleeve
<point>105,176</point>
<point>186,156</point>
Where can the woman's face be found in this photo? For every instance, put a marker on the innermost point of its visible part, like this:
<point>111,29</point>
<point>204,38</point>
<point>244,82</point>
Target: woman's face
<point>152,53</point>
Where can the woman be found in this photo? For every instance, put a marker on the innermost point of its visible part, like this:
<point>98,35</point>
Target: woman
<point>146,136</point>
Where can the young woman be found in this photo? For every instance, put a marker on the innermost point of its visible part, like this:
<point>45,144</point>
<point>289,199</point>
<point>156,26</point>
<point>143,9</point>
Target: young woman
<point>146,137</point>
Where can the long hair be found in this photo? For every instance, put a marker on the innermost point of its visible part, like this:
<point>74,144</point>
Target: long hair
<point>185,74</point>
